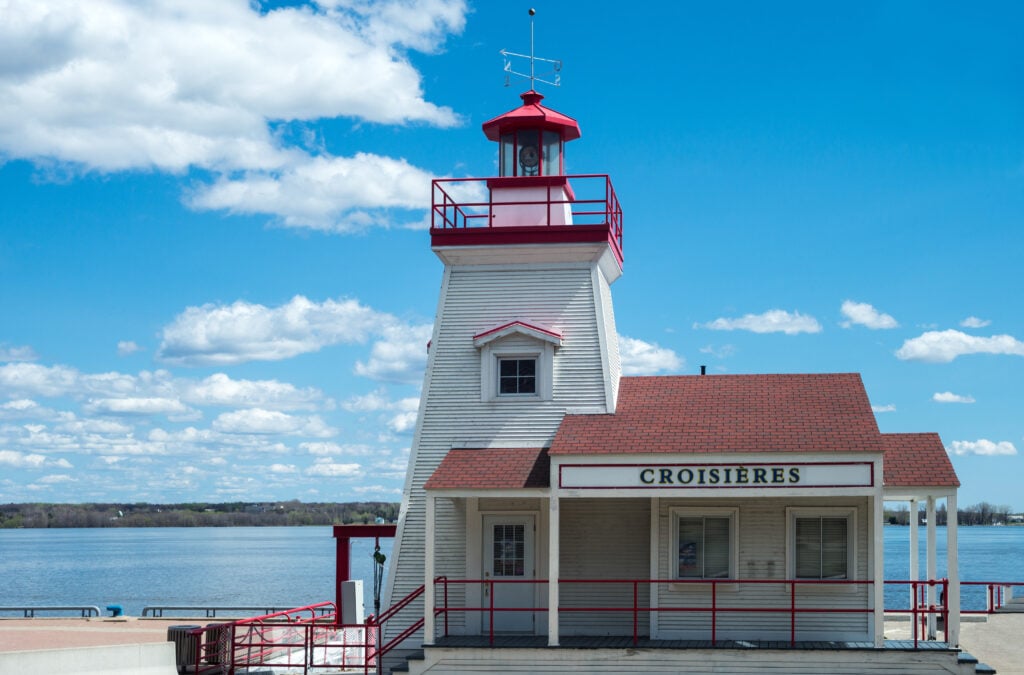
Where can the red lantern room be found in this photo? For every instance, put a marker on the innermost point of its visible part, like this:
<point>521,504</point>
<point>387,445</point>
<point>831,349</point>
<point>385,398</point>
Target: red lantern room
<point>531,138</point>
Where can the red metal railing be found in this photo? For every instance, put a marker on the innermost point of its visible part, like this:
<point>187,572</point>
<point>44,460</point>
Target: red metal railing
<point>295,638</point>
<point>714,609</point>
<point>461,203</point>
<point>995,594</point>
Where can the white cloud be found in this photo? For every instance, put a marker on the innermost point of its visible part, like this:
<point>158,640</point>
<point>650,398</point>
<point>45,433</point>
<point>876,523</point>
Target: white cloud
<point>54,479</point>
<point>136,406</point>
<point>974,322</point>
<point>400,357</point>
<point>863,314</point>
<point>944,346</point>
<point>982,447</point>
<point>723,352</point>
<point>403,422</point>
<point>337,194</point>
<point>950,397</point>
<point>243,331</point>
<point>126,347</point>
<point>219,389</point>
<point>883,408</point>
<point>259,421</point>
<point>282,468</point>
<point>646,358</point>
<point>327,468</point>
<point>115,85</point>
<point>772,321</point>
<point>16,353</point>
<point>21,460</point>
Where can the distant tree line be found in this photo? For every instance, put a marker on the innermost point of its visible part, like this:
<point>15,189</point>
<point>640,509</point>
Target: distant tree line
<point>197,514</point>
<point>979,514</point>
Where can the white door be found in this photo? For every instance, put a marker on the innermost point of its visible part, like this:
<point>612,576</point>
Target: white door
<point>508,555</point>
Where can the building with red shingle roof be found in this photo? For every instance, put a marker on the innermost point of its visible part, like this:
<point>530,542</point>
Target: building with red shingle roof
<point>551,502</point>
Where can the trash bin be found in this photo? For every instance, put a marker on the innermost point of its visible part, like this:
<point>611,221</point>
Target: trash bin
<point>217,637</point>
<point>186,646</point>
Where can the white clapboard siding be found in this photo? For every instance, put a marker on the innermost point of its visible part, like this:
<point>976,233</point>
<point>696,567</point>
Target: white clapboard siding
<point>762,555</point>
<point>572,298</point>
<point>697,661</point>
<point>603,539</point>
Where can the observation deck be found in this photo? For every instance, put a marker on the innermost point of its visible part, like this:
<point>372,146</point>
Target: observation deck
<point>526,210</point>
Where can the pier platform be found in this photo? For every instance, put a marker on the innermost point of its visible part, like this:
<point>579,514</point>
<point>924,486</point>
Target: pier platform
<point>994,640</point>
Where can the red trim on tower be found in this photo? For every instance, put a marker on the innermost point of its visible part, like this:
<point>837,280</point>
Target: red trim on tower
<point>533,181</point>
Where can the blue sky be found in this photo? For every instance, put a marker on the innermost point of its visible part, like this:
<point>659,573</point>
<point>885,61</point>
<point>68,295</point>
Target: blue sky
<point>215,281</point>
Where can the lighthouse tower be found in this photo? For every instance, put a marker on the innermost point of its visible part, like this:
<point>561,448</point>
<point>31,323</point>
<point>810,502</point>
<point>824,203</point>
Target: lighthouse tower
<point>524,333</point>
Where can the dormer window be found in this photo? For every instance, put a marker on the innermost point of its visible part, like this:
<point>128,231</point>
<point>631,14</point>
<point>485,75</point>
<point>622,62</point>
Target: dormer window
<point>517,361</point>
<point>517,376</point>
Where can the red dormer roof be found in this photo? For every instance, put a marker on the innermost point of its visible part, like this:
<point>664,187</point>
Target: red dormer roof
<point>728,413</point>
<point>532,115</point>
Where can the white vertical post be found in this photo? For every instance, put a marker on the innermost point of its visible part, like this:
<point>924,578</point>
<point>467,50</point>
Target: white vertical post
<point>655,554</point>
<point>915,559</point>
<point>930,571</point>
<point>553,569</point>
<point>878,564</point>
<point>428,574</point>
<point>952,572</point>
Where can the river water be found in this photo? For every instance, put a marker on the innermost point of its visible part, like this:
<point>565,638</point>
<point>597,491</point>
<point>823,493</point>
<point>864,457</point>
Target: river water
<point>294,566</point>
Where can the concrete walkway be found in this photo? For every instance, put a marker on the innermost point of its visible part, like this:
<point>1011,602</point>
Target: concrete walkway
<point>996,641</point>
<point>54,633</point>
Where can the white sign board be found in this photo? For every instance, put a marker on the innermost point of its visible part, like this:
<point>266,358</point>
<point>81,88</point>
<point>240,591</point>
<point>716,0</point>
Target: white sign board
<point>716,476</point>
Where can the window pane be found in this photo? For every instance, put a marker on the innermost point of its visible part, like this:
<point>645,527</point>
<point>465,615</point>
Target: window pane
<point>506,155</point>
<point>691,536</point>
<point>833,548</point>
<point>552,146</point>
<point>716,548</point>
<point>517,376</point>
<point>808,548</point>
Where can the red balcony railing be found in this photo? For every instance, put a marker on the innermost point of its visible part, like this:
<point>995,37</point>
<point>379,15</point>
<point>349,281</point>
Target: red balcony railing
<point>468,204</point>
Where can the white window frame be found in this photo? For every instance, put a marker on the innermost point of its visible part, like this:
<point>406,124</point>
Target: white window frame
<point>677,512</point>
<point>848,512</point>
<point>491,356</point>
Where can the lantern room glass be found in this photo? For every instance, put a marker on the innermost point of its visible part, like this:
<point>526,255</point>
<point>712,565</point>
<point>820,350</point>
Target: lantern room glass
<point>530,152</point>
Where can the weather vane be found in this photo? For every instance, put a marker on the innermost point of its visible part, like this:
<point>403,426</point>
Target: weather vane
<point>556,66</point>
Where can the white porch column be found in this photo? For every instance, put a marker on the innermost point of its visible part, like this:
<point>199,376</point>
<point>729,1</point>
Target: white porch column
<point>930,569</point>
<point>915,560</point>
<point>878,573</point>
<point>952,572</point>
<point>655,557</point>
<point>428,574</point>
<point>553,569</point>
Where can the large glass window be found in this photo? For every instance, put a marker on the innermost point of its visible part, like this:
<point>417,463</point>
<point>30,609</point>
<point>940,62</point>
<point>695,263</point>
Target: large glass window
<point>507,155</point>
<point>821,547</point>
<point>517,376</point>
<point>705,544</point>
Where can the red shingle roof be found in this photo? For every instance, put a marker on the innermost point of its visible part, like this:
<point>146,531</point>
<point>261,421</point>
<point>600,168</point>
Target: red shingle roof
<point>916,460</point>
<point>492,469</point>
<point>728,413</point>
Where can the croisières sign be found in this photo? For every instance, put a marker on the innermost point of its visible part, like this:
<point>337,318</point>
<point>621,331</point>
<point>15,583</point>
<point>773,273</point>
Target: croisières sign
<point>753,476</point>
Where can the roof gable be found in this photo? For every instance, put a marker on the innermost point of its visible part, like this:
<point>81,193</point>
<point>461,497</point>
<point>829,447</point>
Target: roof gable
<point>522,327</point>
